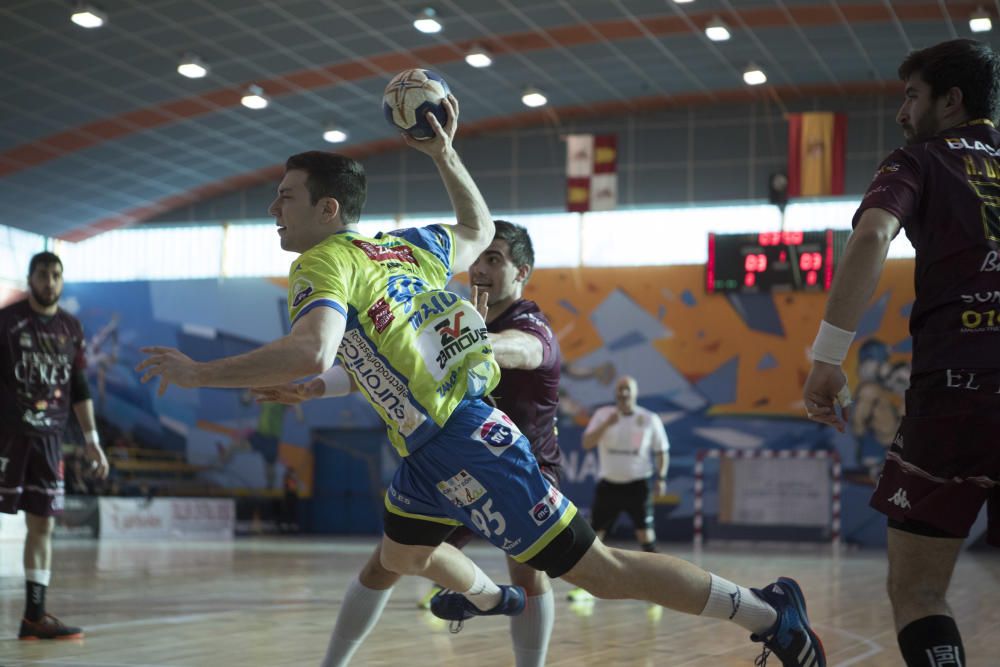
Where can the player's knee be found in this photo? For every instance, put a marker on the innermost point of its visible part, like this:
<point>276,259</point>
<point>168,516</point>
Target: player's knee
<point>405,559</point>
<point>39,527</point>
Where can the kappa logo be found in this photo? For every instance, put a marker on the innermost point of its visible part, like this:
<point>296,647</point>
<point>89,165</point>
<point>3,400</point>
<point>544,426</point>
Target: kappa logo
<point>302,288</point>
<point>898,441</point>
<point>899,499</point>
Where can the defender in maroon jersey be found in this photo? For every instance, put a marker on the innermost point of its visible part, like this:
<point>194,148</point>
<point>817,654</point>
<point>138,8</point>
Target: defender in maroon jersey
<point>41,378</point>
<point>943,190</point>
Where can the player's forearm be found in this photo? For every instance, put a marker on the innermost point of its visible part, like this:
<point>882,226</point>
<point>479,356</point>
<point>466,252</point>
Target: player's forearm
<point>857,276</point>
<point>284,360</point>
<point>84,411</point>
<point>593,438</point>
<point>470,208</point>
<point>662,465</point>
<point>511,350</point>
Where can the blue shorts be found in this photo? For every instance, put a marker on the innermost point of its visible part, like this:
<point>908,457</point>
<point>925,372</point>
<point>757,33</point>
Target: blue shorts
<point>479,471</point>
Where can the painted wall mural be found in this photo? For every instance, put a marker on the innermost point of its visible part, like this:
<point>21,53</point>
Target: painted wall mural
<point>722,371</point>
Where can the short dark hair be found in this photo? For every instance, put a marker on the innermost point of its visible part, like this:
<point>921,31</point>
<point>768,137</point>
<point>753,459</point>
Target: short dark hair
<point>516,236</point>
<point>970,66</point>
<point>333,175</point>
<point>43,258</point>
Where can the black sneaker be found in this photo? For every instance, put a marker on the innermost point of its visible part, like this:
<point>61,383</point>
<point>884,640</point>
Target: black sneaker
<point>455,607</point>
<point>48,627</point>
<point>790,638</point>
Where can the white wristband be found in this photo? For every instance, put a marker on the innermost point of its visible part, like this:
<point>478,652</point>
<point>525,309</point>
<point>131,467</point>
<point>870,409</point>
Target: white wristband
<point>336,381</point>
<point>831,344</point>
<point>91,437</point>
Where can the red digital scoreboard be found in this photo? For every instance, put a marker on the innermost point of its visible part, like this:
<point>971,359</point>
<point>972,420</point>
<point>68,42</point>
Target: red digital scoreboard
<point>773,261</point>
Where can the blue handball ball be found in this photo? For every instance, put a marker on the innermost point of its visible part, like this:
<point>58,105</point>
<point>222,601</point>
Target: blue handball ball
<point>410,96</point>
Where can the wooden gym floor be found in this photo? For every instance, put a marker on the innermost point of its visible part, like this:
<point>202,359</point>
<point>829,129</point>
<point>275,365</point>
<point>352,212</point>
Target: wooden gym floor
<point>274,601</point>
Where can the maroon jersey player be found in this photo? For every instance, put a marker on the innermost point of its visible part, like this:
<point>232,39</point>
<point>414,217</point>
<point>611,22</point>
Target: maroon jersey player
<point>41,379</point>
<point>943,190</point>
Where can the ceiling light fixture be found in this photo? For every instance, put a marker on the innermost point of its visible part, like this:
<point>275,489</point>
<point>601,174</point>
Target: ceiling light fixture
<point>88,16</point>
<point>683,2</point>
<point>716,30</point>
<point>254,97</point>
<point>980,21</point>
<point>334,135</point>
<point>427,21</point>
<point>532,97</point>
<point>192,67</point>
<point>478,57</point>
<point>753,75</point>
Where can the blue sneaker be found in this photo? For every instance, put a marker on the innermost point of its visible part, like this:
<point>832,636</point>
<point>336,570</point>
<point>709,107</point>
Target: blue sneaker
<point>790,639</point>
<point>455,607</point>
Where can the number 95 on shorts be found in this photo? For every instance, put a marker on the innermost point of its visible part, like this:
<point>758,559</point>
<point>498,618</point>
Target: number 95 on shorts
<point>479,471</point>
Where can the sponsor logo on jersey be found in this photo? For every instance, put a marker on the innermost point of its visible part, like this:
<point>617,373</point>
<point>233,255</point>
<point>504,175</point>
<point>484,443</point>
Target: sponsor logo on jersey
<point>887,168</point>
<point>991,262</point>
<point>982,297</point>
<point>302,288</point>
<point>547,507</point>
<point>431,306</point>
<point>381,315</point>
<point>380,253</point>
<point>403,289</point>
<point>25,341</point>
<point>961,143</point>
<point>445,342</point>
<point>383,387</point>
<point>497,432</point>
<point>463,489</point>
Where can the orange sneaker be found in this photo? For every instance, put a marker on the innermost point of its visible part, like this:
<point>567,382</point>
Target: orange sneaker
<point>48,627</point>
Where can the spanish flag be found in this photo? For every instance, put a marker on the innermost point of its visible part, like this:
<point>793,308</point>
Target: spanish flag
<point>591,172</point>
<point>816,148</point>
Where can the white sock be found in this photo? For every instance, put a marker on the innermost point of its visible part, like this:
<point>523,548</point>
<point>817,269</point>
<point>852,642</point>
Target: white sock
<point>731,602</point>
<point>38,576</point>
<point>484,593</point>
<point>530,630</point>
<point>359,612</point>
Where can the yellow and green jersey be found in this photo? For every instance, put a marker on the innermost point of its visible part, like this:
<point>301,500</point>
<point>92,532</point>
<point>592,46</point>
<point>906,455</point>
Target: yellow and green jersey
<point>415,350</point>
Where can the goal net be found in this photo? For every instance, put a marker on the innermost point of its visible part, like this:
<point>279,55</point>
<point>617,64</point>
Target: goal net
<point>785,495</point>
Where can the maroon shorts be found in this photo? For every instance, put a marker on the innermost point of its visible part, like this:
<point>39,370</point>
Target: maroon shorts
<point>461,536</point>
<point>31,474</point>
<point>945,460</point>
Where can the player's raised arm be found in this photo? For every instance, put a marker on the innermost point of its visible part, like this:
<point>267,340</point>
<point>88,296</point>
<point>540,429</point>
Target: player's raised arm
<point>310,348</point>
<point>475,229</point>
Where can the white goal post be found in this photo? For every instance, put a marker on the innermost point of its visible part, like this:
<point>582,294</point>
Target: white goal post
<point>793,494</point>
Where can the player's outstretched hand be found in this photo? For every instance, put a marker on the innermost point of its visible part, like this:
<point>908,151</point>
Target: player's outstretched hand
<point>291,393</point>
<point>171,366</point>
<point>480,301</point>
<point>825,386</point>
<point>440,144</point>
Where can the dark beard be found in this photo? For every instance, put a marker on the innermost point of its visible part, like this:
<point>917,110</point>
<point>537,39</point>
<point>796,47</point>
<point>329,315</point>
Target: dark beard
<point>45,303</point>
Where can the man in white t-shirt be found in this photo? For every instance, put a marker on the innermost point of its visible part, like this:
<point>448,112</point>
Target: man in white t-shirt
<point>626,435</point>
<point>631,444</point>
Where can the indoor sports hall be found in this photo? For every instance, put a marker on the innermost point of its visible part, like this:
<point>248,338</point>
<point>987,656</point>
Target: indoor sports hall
<point>688,172</point>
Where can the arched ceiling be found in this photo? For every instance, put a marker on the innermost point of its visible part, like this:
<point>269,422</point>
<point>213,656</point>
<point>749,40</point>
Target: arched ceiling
<point>97,129</point>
